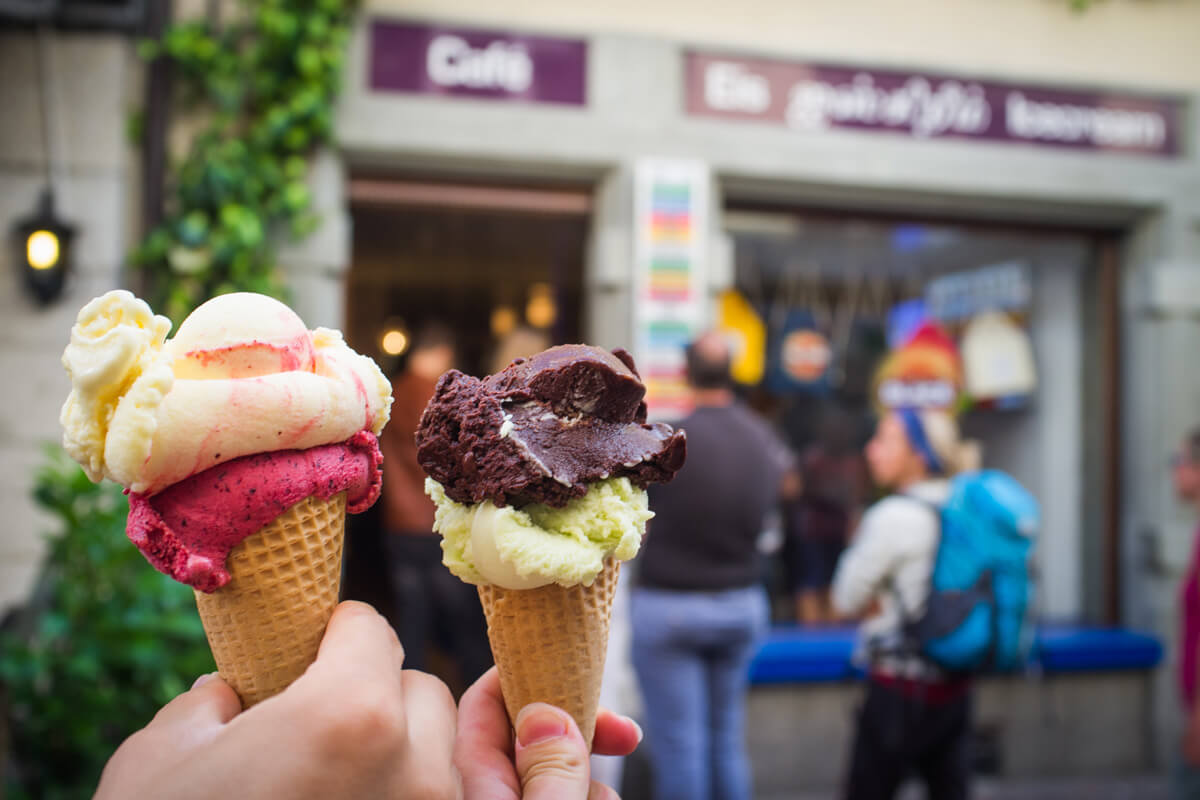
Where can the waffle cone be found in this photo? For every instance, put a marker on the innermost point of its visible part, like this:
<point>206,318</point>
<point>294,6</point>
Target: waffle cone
<point>549,644</point>
<point>265,625</point>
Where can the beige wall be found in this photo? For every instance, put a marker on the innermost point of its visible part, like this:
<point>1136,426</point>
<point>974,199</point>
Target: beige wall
<point>1150,43</point>
<point>95,77</point>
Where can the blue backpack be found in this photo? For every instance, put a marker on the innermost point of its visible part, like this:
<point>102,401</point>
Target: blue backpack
<point>977,616</point>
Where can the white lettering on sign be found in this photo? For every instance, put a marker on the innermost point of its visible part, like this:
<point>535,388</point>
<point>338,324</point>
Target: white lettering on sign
<point>1060,122</point>
<point>451,61</point>
<point>731,87</point>
<point>896,393</point>
<point>925,109</point>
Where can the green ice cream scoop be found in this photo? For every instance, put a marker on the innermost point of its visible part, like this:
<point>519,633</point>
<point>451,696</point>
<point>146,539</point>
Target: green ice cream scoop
<point>537,544</point>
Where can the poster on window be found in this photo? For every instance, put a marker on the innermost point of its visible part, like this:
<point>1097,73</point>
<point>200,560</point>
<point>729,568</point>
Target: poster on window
<point>986,309</point>
<point>925,372</point>
<point>670,207</point>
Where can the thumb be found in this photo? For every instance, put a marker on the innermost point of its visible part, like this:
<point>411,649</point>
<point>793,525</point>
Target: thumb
<point>208,704</point>
<point>551,756</point>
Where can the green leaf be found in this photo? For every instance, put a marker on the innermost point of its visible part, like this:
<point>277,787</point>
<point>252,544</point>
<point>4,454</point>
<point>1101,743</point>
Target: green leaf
<point>295,196</point>
<point>259,92</point>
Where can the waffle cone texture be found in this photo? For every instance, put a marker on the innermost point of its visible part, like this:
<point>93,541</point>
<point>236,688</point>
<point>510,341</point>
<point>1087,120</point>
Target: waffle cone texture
<point>265,625</point>
<point>549,644</point>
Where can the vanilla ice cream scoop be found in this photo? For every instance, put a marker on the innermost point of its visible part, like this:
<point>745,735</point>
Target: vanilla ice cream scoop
<point>241,335</point>
<point>242,376</point>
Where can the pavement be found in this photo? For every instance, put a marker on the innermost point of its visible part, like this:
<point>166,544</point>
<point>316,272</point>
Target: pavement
<point>1147,787</point>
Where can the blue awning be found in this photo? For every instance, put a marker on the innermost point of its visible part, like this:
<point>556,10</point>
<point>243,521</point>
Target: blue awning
<point>793,654</point>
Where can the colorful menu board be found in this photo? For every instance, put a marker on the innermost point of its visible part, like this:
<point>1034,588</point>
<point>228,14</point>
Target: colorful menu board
<point>670,222</point>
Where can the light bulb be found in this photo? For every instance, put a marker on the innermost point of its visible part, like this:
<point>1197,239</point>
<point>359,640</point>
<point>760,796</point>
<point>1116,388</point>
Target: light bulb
<point>41,249</point>
<point>394,342</point>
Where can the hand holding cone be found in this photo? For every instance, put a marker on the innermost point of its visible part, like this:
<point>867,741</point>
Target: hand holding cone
<point>550,643</point>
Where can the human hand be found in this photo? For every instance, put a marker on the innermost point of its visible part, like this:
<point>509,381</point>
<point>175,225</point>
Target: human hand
<point>355,725</point>
<point>548,760</point>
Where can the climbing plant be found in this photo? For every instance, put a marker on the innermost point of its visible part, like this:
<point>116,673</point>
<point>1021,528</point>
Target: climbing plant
<point>262,86</point>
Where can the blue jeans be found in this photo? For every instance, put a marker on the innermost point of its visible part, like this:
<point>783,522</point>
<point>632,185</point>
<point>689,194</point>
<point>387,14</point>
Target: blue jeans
<point>691,652</point>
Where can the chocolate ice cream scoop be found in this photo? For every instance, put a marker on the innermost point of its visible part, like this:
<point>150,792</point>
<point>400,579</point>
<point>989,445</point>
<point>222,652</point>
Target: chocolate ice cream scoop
<point>544,428</point>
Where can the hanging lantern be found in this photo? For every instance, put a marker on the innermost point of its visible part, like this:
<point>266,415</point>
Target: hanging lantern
<point>43,244</point>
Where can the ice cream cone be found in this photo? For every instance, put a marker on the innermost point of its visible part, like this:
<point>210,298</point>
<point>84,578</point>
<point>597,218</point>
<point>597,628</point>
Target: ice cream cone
<point>265,625</point>
<point>549,644</point>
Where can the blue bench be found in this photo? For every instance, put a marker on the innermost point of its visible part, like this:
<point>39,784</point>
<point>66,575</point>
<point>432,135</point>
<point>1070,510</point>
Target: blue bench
<point>798,655</point>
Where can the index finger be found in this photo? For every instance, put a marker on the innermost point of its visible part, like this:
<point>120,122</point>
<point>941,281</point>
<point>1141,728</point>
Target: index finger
<point>483,751</point>
<point>359,646</point>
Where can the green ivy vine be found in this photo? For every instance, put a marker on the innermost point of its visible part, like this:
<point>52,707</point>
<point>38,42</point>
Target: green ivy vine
<point>264,83</point>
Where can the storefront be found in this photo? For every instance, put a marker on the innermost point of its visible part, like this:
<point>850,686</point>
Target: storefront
<point>625,185</point>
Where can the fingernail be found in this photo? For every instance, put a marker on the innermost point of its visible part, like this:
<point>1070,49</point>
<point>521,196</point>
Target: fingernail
<point>641,734</point>
<point>203,679</point>
<point>539,724</point>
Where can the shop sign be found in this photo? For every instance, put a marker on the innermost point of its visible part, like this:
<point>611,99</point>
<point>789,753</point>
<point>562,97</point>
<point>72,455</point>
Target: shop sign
<point>815,97</point>
<point>497,65</point>
<point>670,205</point>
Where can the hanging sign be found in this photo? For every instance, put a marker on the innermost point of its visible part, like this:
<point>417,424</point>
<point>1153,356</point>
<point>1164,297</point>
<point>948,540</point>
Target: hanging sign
<point>997,287</point>
<point>670,207</point>
<point>997,358</point>
<point>926,372</point>
<point>806,355</point>
<point>747,335</point>
<point>800,355</point>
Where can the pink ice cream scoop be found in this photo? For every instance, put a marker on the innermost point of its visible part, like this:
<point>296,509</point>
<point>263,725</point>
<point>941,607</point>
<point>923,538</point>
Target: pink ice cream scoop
<point>188,530</point>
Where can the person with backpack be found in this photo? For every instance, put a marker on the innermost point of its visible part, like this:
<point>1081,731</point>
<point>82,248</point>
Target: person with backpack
<point>916,714</point>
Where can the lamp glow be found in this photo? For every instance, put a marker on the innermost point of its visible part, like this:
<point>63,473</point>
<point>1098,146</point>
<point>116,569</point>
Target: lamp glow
<point>504,319</point>
<point>394,342</point>
<point>541,310</point>
<point>42,246</point>
<point>42,249</point>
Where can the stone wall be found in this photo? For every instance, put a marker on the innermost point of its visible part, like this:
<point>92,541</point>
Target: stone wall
<point>90,82</point>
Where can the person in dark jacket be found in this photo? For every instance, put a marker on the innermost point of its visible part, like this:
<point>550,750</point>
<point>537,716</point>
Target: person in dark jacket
<point>698,606</point>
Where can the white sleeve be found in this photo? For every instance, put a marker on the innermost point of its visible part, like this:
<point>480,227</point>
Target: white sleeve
<point>866,563</point>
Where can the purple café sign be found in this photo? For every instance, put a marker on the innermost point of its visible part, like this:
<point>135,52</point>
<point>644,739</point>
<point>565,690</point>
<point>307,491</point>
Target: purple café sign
<point>426,59</point>
<point>809,97</point>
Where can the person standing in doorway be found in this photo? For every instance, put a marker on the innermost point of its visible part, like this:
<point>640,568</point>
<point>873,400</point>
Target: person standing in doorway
<point>698,606</point>
<point>915,718</point>
<point>1185,766</point>
<point>431,604</point>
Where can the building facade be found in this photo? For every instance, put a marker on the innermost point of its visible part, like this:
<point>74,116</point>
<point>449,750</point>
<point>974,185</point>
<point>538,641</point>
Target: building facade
<point>484,151</point>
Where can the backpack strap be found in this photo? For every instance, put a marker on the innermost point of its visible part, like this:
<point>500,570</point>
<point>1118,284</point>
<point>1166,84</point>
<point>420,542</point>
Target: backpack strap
<point>911,644</point>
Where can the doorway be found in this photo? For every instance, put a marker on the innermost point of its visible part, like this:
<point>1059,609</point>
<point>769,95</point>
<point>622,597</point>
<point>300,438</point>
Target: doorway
<point>498,266</point>
<point>501,266</point>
